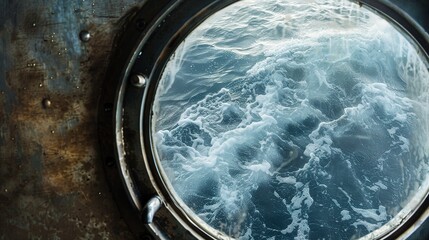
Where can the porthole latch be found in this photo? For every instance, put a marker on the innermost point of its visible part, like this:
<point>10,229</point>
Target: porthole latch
<point>150,209</point>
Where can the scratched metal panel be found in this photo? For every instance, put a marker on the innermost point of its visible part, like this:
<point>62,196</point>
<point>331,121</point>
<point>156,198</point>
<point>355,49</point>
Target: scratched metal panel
<point>52,184</point>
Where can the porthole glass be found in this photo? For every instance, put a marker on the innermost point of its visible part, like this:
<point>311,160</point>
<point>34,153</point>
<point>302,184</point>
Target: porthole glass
<point>282,119</point>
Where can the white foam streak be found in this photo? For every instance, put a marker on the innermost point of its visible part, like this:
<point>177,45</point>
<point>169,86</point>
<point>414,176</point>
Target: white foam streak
<point>309,93</point>
<point>377,215</point>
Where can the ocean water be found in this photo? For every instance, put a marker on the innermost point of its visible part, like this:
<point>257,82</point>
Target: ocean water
<point>294,119</point>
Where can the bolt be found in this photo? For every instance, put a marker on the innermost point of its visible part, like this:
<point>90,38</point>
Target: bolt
<point>46,103</point>
<point>138,80</point>
<point>84,36</point>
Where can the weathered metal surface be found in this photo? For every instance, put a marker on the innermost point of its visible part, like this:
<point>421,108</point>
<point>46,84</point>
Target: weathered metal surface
<point>52,185</point>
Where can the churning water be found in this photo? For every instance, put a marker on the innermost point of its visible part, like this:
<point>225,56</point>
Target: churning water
<point>306,119</point>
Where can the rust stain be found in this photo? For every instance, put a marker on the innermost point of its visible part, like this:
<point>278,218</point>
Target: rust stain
<point>62,151</point>
<point>51,180</point>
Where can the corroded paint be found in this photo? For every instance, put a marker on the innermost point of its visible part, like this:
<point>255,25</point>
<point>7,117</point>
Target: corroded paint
<point>52,185</point>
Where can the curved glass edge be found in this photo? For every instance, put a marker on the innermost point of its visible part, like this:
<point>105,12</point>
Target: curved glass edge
<point>399,219</point>
<point>402,217</point>
<point>195,225</point>
<point>419,39</point>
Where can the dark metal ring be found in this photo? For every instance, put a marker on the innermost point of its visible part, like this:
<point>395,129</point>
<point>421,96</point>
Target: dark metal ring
<point>151,36</point>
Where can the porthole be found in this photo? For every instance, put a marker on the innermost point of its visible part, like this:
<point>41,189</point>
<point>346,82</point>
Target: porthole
<point>270,119</point>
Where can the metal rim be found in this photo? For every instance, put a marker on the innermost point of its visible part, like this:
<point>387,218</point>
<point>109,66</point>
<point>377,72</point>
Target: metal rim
<point>151,37</point>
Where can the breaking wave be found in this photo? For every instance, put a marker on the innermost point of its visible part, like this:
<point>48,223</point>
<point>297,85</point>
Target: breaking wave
<point>281,119</point>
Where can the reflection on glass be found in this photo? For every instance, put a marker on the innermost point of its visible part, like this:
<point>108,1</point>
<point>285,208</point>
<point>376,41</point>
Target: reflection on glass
<point>282,119</point>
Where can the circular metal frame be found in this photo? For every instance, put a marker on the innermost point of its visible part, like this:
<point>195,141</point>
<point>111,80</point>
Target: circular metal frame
<point>143,48</point>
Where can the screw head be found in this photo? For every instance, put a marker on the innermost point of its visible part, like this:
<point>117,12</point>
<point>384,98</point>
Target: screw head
<point>84,36</point>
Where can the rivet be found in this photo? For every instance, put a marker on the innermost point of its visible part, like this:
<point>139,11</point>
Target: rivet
<point>84,36</point>
<point>46,103</point>
<point>138,80</point>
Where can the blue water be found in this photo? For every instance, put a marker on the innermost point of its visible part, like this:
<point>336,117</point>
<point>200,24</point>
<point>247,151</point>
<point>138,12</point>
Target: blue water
<point>282,119</point>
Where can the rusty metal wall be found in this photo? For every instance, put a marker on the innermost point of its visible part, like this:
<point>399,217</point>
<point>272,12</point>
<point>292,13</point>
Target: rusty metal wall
<point>52,184</point>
